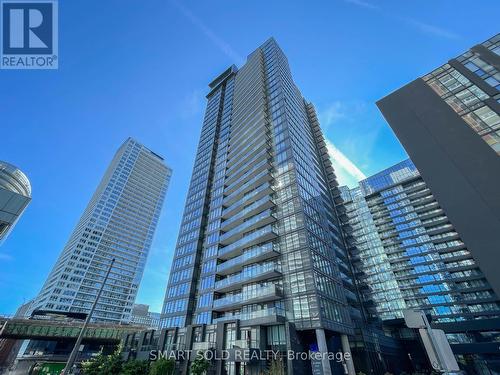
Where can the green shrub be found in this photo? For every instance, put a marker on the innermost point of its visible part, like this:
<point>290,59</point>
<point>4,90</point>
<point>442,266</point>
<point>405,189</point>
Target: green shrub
<point>162,366</point>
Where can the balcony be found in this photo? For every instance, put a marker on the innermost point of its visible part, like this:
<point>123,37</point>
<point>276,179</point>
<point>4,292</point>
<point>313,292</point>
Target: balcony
<point>262,294</point>
<point>233,184</point>
<point>254,195</point>
<point>252,147</point>
<point>252,255</point>
<point>203,345</point>
<point>272,314</point>
<point>250,210</point>
<point>242,344</point>
<point>261,235</point>
<point>248,121</point>
<point>255,181</point>
<point>228,303</point>
<point>264,218</point>
<point>245,163</point>
<point>249,116</point>
<point>263,272</point>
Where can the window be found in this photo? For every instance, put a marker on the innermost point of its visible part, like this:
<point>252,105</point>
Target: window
<point>276,335</point>
<point>230,335</point>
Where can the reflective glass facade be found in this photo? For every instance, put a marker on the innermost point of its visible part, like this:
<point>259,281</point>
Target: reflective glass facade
<point>409,255</point>
<point>15,195</point>
<point>476,99</point>
<point>119,222</point>
<point>259,218</point>
<point>260,242</point>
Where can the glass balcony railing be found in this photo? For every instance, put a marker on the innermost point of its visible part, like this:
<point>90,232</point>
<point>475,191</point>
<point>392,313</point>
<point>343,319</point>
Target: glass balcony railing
<point>260,177</point>
<point>232,185</point>
<point>261,293</point>
<point>205,345</point>
<point>247,225</point>
<point>246,276</point>
<point>251,156</point>
<point>260,235</point>
<point>255,294</point>
<point>252,253</point>
<point>240,215</point>
<point>242,344</point>
<point>228,300</point>
<point>236,158</point>
<point>246,197</point>
<point>273,311</point>
<point>252,129</point>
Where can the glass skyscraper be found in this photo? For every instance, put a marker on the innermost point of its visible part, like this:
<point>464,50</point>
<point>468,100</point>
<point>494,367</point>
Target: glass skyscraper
<point>272,254</point>
<point>119,222</point>
<point>260,260</point>
<point>449,123</point>
<point>15,195</point>
<point>470,85</point>
<point>408,254</point>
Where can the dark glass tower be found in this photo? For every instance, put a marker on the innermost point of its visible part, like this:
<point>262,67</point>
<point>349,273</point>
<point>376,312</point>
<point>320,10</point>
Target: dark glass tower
<point>449,123</point>
<point>260,260</point>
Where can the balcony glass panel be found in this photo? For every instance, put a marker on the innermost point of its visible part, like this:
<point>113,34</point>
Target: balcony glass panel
<point>246,224</point>
<point>246,197</point>
<point>273,311</point>
<point>253,252</point>
<point>249,238</point>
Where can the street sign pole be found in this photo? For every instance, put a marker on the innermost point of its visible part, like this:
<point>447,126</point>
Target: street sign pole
<point>71,360</point>
<point>436,345</point>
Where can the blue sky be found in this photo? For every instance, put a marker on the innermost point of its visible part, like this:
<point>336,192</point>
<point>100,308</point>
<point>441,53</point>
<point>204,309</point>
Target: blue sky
<point>141,69</point>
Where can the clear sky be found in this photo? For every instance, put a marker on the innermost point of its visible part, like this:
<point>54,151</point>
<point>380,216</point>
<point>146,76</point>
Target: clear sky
<point>141,69</point>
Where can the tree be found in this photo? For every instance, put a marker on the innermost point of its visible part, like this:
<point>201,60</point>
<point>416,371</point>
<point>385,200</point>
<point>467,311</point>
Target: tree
<point>103,364</point>
<point>134,367</point>
<point>276,367</point>
<point>113,364</point>
<point>162,366</point>
<point>94,366</point>
<point>200,365</point>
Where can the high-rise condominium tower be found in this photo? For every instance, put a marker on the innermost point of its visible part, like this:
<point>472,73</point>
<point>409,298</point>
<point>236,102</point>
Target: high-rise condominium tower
<point>119,222</point>
<point>15,195</point>
<point>260,260</point>
<point>449,123</point>
<point>408,254</point>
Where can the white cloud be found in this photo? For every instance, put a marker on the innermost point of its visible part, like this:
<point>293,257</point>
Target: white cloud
<point>363,4</point>
<point>347,172</point>
<point>341,111</point>
<point>212,36</point>
<point>192,104</point>
<point>6,257</point>
<point>433,30</point>
<point>423,27</point>
<point>332,114</point>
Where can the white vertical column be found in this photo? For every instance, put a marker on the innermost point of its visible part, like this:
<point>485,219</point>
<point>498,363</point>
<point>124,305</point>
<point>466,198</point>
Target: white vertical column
<point>346,348</point>
<point>323,349</point>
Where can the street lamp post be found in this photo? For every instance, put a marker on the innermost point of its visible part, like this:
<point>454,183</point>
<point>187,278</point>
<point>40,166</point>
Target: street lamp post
<point>71,360</point>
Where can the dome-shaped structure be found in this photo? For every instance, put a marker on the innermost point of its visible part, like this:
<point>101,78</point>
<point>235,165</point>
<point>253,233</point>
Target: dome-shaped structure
<point>11,178</point>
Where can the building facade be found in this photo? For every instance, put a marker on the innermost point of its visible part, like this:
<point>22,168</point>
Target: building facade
<point>260,260</point>
<point>10,347</point>
<point>407,254</point>
<point>118,223</point>
<point>449,123</point>
<point>141,316</point>
<point>15,195</point>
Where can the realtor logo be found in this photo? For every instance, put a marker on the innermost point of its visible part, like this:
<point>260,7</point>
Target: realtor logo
<point>29,34</point>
